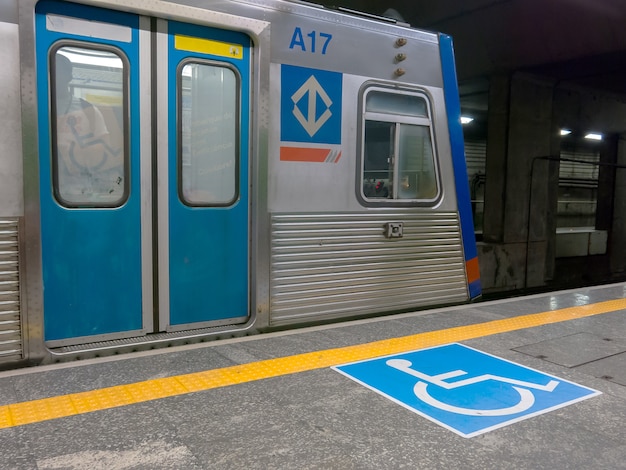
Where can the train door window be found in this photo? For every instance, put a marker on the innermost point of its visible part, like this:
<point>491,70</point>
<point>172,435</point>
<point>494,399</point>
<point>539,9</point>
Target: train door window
<point>397,148</point>
<point>209,128</point>
<point>89,142</point>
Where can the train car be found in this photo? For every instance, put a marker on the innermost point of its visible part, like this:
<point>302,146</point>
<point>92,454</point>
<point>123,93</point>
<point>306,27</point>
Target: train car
<point>182,171</point>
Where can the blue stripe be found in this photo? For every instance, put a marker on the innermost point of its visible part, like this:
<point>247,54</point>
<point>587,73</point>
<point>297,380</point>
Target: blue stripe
<point>453,109</point>
<point>475,289</point>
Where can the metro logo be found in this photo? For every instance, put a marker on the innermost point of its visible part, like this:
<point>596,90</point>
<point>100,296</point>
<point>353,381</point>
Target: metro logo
<point>312,90</point>
<point>310,106</point>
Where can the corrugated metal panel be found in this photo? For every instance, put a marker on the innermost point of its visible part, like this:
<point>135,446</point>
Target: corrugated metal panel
<point>475,157</point>
<point>579,170</point>
<point>10,328</point>
<point>330,266</point>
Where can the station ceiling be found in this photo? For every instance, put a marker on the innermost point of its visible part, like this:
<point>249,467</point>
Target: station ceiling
<point>582,42</point>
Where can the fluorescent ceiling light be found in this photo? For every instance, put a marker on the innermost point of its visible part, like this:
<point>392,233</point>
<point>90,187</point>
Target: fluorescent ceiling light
<point>593,136</point>
<point>466,119</point>
<point>565,132</point>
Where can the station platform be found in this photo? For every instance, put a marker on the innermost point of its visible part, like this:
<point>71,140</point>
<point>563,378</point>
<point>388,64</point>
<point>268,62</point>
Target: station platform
<point>535,382</point>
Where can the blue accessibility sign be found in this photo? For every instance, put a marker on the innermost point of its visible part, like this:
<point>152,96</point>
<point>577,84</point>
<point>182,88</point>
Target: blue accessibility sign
<point>310,105</point>
<point>465,390</point>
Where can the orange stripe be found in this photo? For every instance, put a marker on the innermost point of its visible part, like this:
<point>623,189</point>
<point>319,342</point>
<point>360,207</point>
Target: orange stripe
<point>297,154</point>
<point>472,269</point>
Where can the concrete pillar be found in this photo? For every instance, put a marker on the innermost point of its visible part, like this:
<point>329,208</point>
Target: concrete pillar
<point>517,232</point>
<point>617,251</point>
<point>496,157</point>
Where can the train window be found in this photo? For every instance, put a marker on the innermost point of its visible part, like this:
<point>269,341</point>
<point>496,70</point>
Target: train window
<point>89,141</point>
<point>394,103</point>
<point>209,132</point>
<point>397,152</point>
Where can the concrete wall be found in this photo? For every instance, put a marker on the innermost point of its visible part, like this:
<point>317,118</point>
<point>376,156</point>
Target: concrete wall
<point>519,234</point>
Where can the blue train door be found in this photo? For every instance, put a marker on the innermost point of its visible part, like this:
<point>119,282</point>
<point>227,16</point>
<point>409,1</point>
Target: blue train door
<point>143,158</point>
<point>206,195</point>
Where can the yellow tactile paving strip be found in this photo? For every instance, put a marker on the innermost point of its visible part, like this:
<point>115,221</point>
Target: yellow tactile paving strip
<point>18,414</point>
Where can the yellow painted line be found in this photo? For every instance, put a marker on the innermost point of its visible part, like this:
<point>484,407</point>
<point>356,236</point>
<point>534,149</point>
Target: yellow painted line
<point>18,414</point>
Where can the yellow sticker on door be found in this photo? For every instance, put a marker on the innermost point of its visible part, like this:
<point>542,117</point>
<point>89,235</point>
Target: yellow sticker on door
<point>208,46</point>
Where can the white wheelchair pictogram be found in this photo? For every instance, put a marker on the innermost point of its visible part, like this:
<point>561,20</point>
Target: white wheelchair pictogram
<point>523,388</point>
<point>311,123</point>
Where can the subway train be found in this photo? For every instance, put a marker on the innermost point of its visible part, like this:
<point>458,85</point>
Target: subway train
<point>184,171</point>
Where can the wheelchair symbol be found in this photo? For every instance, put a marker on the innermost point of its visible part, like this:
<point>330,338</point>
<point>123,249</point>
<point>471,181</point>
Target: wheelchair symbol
<point>527,398</point>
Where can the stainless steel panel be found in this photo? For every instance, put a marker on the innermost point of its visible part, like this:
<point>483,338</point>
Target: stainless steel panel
<point>11,197</point>
<point>162,186</point>
<point>8,11</point>
<point>331,266</point>
<point>32,288</point>
<point>145,165</point>
<point>10,320</point>
<point>358,46</point>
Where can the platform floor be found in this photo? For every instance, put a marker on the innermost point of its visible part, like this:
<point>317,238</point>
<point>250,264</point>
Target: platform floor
<point>275,401</point>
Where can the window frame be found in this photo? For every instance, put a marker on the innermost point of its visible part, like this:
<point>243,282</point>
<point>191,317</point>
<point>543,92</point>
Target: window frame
<point>52,110</point>
<point>179,131</point>
<point>395,119</point>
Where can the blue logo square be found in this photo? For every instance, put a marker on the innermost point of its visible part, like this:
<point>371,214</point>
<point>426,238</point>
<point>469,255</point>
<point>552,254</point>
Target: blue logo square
<point>464,390</point>
<point>310,110</point>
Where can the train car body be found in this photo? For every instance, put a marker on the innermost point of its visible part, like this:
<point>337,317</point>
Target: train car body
<point>184,171</point>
